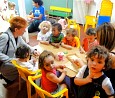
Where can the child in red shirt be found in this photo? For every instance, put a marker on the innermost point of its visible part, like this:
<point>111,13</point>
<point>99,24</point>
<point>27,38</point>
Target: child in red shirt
<point>49,80</point>
<point>89,41</point>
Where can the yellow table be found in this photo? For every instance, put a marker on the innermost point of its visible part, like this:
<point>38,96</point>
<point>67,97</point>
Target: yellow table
<point>71,69</point>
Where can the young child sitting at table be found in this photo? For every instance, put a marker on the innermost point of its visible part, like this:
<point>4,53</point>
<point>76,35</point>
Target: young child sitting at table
<point>49,80</point>
<point>45,31</point>
<point>57,35</point>
<point>91,79</point>
<point>69,40</point>
<point>23,56</point>
<point>89,41</point>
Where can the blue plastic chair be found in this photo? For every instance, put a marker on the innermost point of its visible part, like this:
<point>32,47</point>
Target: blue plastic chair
<point>103,19</point>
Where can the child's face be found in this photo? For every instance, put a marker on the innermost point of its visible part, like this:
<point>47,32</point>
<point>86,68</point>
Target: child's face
<point>13,7</point>
<point>96,64</point>
<point>91,38</point>
<point>55,31</point>
<point>69,37</point>
<point>45,28</point>
<point>49,63</point>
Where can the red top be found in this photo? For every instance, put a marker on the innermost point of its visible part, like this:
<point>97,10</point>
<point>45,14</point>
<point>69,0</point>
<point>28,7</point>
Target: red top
<point>87,46</point>
<point>46,84</point>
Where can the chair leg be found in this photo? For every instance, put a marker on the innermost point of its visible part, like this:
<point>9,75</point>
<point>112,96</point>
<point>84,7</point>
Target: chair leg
<point>19,83</point>
<point>28,89</point>
<point>66,94</point>
<point>79,32</point>
<point>85,28</point>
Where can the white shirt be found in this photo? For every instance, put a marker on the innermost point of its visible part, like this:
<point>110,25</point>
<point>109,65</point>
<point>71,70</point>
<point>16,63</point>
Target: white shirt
<point>29,65</point>
<point>43,37</point>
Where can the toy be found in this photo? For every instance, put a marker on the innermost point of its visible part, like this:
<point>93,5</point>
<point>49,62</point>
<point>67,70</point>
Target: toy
<point>60,56</point>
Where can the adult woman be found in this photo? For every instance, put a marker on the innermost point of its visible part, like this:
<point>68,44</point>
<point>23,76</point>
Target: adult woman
<point>9,41</point>
<point>38,15</point>
<point>106,37</point>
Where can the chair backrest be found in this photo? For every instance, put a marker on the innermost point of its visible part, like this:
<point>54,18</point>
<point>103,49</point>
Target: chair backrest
<point>60,9</point>
<point>90,20</point>
<point>106,8</point>
<point>23,72</point>
<point>42,93</point>
<point>72,24</point>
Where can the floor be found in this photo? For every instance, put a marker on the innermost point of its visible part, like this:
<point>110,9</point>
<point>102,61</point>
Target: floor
<point>12,91</point>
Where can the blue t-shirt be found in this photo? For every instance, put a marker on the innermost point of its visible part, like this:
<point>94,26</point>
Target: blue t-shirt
<point>38,11</point>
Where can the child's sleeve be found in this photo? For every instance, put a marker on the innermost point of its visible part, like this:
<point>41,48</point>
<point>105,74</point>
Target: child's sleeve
<point>107,86</point>
<point>81,71</point>
<point>63,40</point>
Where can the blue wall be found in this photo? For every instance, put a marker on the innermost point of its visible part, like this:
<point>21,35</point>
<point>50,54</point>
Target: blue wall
<point>47,3</point>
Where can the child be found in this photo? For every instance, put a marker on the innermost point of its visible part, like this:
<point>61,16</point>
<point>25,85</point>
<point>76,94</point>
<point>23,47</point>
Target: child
<point>45,31</point>
<point>49,80</point>
<point>56,36</point>
<point>12,11</point>
<point>23,56</point>
<point>63,23</point>
<point>89,41</point>
<point>69,40</point>
<point>91,79</point>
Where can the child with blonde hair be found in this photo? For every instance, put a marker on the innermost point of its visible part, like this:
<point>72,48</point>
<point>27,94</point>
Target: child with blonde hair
<point>45,31</point>
<point>69,40</point>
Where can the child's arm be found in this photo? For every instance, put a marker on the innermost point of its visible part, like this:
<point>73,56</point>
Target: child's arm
<point>44,42</point>
<point>79,80</point>
<point>30,16</point>
<point>66,46</point>
<point>82,81</point>
<point>55,44</point>
<point>52,77</point>
<point>82,50</point>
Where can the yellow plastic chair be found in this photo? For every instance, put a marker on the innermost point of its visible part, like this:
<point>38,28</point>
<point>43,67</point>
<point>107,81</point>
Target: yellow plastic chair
<point>42,93</point>
<point>90,20</point>
<point>24,73</point>
<point>106,8</point>
<point>72,24</point>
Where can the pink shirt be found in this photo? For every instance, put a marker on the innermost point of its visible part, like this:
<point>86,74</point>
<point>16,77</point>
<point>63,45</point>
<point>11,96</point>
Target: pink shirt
<point>46,84</point>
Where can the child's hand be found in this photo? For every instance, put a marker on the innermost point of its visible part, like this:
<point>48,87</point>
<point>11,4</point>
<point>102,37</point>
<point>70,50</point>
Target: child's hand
<point>36,53</point>
<point>56,45</point>
<point>88,79</point>
<point>82,52</point>
<point>69,47</point>
<point>62,66</point>
<point>77,61</point>
<point>64,71</point>
<point>34,60</point>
